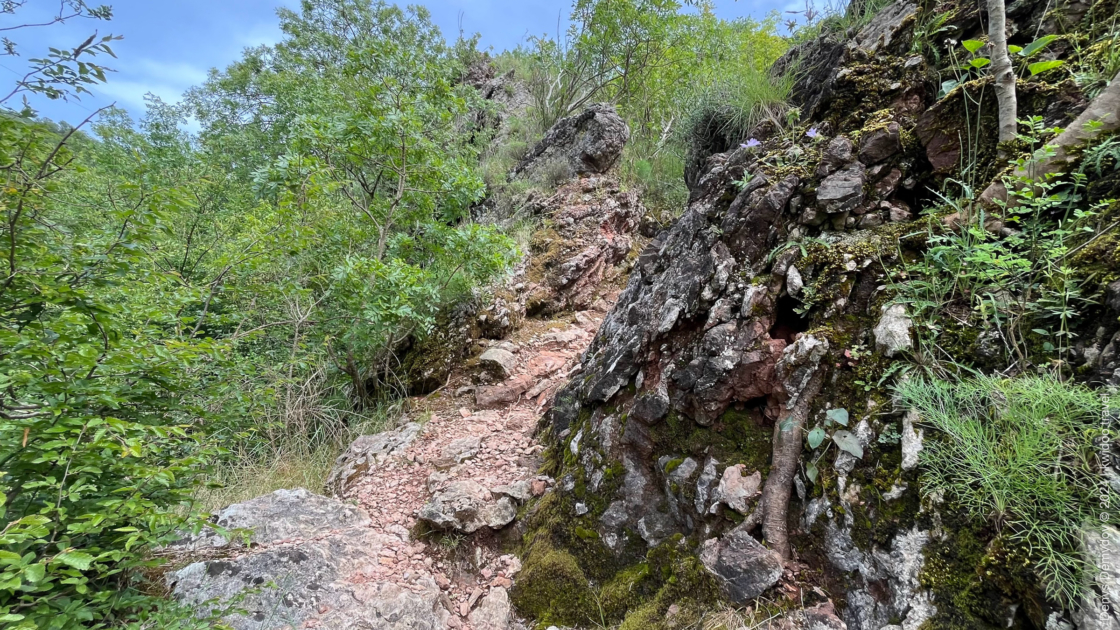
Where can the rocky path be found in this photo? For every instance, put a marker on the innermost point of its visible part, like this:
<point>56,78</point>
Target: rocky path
<point>472,463</point>
<point>415,541</point>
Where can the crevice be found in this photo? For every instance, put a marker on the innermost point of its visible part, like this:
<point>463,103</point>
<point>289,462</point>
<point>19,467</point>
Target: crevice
<point>787,321</point>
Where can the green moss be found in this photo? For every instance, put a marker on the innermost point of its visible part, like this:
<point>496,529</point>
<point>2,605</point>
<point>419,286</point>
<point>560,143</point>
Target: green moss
<point>552,588</point>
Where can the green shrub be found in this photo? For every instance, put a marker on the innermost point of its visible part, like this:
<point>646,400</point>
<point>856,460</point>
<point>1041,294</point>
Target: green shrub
<point>1020,454</point>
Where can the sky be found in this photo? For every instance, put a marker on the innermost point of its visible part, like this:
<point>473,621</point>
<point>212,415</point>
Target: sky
<point>170,45</point>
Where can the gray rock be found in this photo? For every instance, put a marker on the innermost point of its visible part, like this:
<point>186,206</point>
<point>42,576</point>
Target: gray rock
<point>493,612</point>
<point>1100,611</point>
<point>843,190</point>
<point>519,491</point>
<point>498,362</point>
<point>704,484</point>
<point>467,506</point>
<point>887,27</point>
<point>736,490</point>
<point>892,333</point>
<point>911,440</point>
<point>590,142</point>
<point>458,451</point>
<point>836,154</point>
<point>798,364</point>
<point>819,617</point>
<point>742,566</point>
<point>870,221</point>
<point>794,282</point>
<point>308,579</point>
<point>367,452</point>
<point>880,144</point>
<point>1113,296</point>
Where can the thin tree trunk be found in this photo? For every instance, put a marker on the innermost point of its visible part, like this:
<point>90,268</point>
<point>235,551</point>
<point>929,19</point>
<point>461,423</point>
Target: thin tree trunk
<point>1002,71</point>
<point>787,453</point>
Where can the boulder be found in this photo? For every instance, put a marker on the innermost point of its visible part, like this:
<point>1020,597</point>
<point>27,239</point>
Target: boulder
<point>892,333</point>
<point>743,567</point>
<point>836,154</point>
<point>458,451</point>
<point>369,451</point>
<point>879,144</point>
<point>493,612</point>
<point>308,581</point>
<point>843,190</point>
<point>498,362</point>
<point>466,506</point>
<point>588,143</point>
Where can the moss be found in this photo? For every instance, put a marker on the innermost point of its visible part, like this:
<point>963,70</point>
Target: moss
<point>552,588</point>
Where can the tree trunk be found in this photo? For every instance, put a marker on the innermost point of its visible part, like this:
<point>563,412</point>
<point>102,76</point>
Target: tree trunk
<point>787,453</point>
<point>1002,71</point>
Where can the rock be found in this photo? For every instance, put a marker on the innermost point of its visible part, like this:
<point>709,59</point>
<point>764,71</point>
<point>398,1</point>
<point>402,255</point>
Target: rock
<point>736,490</point>
<point>843,190</point>
<point>887,29</point>
<point>794,283</point>
<point>819,617</point>
<point>458,451</point>
<point>369,451</point>
<point>1098,610</point>
<point>507,392</point>
<point>892,333</point>
<point>1112,298</point>
<point>519,491</point>
<point>885,187</point>
<point>742,566</point>
<point>330,542</point>
<point>588,143</point>
<point>493,612</point>
<point>835,155</point>
<point>498,362</point>
<point>870,221</point>
<point>899,212</point>
<point>911,440</point>
<point>880,144</point>
<point>467,506</point>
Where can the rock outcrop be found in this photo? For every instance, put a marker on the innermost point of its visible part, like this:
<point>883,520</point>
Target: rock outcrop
<point>300,572</point>
<point>588,143</point>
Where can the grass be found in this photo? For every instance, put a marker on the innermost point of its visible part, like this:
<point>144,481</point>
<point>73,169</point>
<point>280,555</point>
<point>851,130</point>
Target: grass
<point>1019,454</point>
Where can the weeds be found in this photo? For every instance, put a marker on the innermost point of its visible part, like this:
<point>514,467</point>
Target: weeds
<point>1020,455</point>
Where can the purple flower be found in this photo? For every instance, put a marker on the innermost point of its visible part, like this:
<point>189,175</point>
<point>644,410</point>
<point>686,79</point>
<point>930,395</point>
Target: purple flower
<point>752,143</point>
<point>812,133</point>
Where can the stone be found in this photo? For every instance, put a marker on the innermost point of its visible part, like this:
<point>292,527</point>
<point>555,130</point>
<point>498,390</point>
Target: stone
<point>881,144</point>
<point>458,451</point>
<point>743,567</point>
<point>498,362</point>
<point>892,333</point>
<point>843,190</point>
<point>899,212</point>
<point>588,143</point>
<point>1098,610</point>
<point>736,490</point>
<point>369,451</point>
<point>885,187</point>
<point>836,154</point>
<point>519,491</point>
<point>1112,294</point>
<point>507,392</point>
<point>912,438</point>
<point>493,612</point>
<point>794,282</point>
<point>466,506</point>
<point>327,542</point>
<point>820,617</point>
<point>870,221</point>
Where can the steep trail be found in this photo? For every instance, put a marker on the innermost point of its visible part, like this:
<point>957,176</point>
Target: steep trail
<point>506,453</point>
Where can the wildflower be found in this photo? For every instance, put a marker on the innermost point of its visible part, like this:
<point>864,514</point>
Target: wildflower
<point>812,133</point>
<point>750,144</point>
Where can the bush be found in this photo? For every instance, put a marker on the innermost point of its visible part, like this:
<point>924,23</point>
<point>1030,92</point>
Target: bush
<point>1020,454</point>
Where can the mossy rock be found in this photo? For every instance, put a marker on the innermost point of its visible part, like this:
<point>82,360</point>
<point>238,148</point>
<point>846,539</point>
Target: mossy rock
<point>552,588</point>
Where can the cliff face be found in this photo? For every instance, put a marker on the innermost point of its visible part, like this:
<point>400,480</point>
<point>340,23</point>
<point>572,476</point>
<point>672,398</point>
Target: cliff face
<point>778,279</point>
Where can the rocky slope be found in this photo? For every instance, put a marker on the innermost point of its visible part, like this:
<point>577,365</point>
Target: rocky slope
<point>588,454</point>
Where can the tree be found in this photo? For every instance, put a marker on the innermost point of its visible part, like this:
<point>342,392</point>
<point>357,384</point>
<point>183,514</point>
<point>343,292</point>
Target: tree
<point>1003,74</point>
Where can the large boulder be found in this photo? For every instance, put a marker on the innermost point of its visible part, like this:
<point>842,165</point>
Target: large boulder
<point>588,143</point>
<point>466,506</point>
<point>300,571</point>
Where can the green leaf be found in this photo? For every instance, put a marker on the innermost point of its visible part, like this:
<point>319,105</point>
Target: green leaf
<point>1043,66</point>
<point>1013,49</point>
<point>1036,45</point>
<point>77,559</point>
<point>811,472</point>
<point>35,573</point>
<point>839,416</point>
<point>816,437</point>
<point>980,62</point>
<point>972,45</point>
<point>848,442</point>
<point>1039,331</point>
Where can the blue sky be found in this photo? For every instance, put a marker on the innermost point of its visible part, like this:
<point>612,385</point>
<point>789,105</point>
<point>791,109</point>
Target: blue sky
<point>169,45</point>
